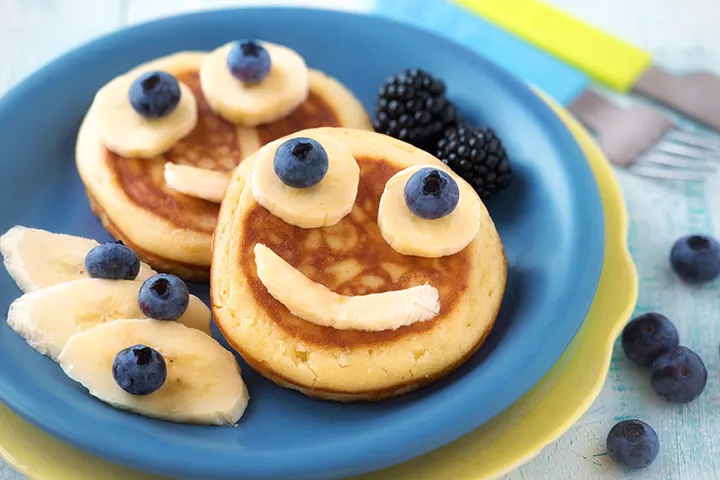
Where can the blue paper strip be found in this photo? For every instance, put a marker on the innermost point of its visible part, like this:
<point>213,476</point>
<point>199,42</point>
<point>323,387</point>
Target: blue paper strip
<point>526,62</point>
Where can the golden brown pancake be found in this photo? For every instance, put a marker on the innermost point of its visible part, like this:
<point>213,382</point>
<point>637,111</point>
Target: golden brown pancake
<point>351,258</point>
<point>170,230</point>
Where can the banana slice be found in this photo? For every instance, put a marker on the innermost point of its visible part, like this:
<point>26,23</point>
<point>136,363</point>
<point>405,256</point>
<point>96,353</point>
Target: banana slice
<point>38,259</point>
<point>323,205</point>
<point>203,384</point>
<point>49,317</point>
<point>315,303</point>
<point>409,234</point>
<point>127,133</point>
<point>196,182</point>
<point>281,92</point>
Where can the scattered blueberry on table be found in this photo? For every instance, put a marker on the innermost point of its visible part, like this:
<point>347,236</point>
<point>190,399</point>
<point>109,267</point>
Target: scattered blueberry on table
<point>633,444</point>
<point>696,258</point>
<point>679,375</point>
<point>651,340</point>
<point>647,337</point>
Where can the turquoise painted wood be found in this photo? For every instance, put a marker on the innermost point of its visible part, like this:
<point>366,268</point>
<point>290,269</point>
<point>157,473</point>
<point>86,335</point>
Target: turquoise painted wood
<point>682,35</point>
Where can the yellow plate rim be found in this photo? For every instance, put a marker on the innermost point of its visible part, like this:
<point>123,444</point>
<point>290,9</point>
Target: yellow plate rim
<point>541,416</point>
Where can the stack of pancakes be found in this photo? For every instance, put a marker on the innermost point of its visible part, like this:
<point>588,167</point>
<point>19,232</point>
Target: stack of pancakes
<point>173,232</point>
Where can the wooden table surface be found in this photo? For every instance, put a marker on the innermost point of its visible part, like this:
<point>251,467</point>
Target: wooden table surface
<point>682,34</point>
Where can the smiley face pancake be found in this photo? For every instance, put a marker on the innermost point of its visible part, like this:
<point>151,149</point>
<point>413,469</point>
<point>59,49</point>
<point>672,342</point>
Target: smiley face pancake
<point>156,183</point>
<point>338,311</point>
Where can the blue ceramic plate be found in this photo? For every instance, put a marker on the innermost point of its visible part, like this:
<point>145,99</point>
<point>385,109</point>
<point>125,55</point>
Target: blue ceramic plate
<point>550,220</point>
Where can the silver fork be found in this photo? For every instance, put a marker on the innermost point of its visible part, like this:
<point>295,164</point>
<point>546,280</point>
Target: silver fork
<point>645,141</point>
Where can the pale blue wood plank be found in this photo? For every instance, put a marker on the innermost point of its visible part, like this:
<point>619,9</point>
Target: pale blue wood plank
<point>32,32</point>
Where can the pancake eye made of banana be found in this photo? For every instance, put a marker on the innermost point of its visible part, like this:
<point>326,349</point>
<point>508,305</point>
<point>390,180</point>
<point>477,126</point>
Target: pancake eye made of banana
<point>249,83</point>
<point>427,211</point>
<point>308,182</point>
<point>143,115</point>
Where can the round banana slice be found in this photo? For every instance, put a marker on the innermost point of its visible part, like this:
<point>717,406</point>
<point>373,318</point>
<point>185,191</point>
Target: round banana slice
<point>410,234</point>
<point>127,133</point>
<point>322,205</point>
<point>281,92</point>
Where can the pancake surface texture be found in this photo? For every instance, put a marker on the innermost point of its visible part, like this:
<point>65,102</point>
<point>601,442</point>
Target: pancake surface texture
<point>351,258</point>
<point>172,231</point>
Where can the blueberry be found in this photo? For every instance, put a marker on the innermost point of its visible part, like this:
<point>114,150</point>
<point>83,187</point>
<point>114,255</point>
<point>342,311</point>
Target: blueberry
<point>301,162</point>
<point>679,375</point>
<point>163,297</point>
<point>633,444</point>
<point>431,193</point>
<point>248,61</point>
<point>112,261</point>
<point>696,258</point>
<point>155,94</point>
<point>139,370</point>
<point>647,337</point>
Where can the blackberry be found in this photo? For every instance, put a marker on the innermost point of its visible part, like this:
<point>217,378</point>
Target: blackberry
<point>477,155</point>
<point>412,107</point>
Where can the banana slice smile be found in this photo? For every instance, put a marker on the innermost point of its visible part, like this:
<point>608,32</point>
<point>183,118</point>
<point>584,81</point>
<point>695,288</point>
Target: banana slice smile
<point>315,303</point>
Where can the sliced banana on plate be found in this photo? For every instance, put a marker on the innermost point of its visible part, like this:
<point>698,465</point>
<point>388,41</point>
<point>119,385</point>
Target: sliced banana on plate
<point>38,259</point>
<point>308,195</point>
<point>47,318</point>
<point>265,100</point>
<point>197,182</point>
<point>203,384</point>
<point>315,303</point>
<point>416,218</point>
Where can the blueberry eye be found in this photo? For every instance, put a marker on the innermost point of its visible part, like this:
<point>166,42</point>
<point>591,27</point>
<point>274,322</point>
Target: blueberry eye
<point>155,94</point>
<point>301,162</point>
<point>249,62</point>
<point>431,193</point>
